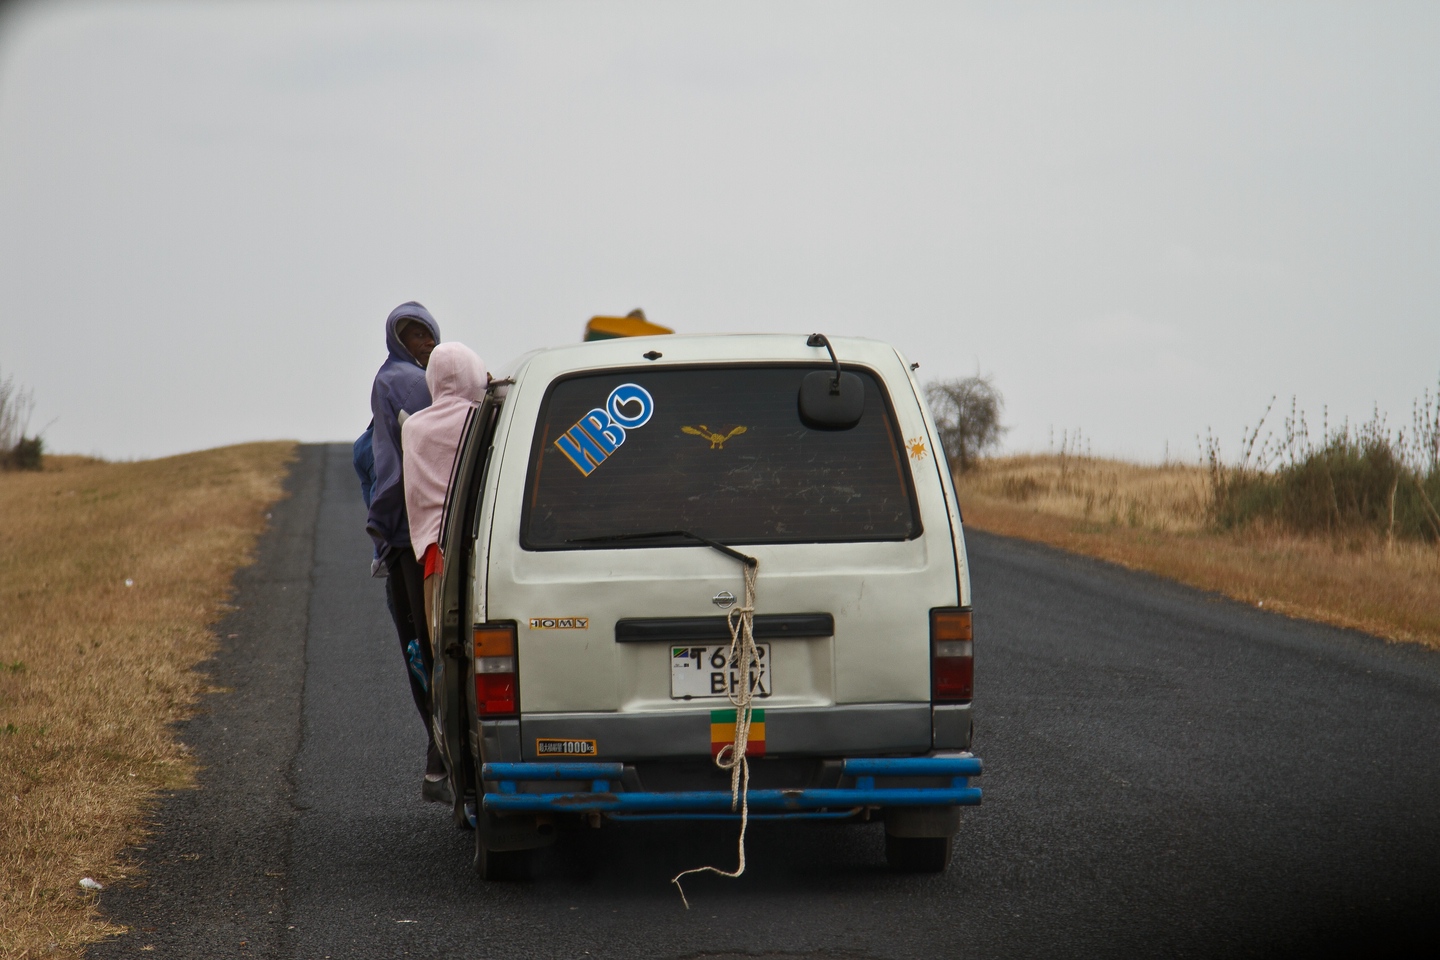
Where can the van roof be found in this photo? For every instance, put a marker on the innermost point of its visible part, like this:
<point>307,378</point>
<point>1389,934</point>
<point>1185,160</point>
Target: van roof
<point>698,348</point>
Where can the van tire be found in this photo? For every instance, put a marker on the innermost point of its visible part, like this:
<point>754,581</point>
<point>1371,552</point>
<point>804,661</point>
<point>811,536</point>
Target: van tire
<point>503,865</point>
<point>917,854</point>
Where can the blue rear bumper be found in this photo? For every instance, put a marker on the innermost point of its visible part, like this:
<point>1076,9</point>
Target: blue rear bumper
<point>812,803</point>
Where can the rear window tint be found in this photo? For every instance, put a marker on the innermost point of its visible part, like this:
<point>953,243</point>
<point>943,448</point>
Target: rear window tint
<point>717,451</point>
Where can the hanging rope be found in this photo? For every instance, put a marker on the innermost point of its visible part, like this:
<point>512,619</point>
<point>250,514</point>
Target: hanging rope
<point>741,620</point>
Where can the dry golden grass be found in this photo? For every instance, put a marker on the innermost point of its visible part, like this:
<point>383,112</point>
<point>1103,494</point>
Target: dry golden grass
<point>1153,518</point>
<point>1169,498</point>
<point>94,672</point>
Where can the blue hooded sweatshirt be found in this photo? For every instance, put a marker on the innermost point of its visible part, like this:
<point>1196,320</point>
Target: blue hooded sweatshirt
<point>399,387</point>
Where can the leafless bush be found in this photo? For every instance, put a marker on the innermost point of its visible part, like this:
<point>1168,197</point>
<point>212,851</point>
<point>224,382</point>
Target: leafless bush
<point>967,415</point>
<point>17,451</point>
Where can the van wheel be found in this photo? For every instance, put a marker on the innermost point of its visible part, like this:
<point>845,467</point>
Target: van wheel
<point>503,865</point>
<point>917,854</point>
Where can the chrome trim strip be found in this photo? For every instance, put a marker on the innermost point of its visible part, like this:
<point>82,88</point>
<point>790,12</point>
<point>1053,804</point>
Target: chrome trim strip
<point>847,730</point>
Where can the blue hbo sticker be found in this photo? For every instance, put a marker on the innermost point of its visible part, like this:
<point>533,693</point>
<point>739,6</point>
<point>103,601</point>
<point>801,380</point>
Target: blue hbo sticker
<point>601,431</point>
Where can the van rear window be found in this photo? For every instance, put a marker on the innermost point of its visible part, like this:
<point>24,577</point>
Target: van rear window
<point>717,451</point>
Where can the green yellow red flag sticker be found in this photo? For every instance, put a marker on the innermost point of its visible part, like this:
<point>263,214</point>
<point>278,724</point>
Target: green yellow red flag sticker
<point>722,732</point>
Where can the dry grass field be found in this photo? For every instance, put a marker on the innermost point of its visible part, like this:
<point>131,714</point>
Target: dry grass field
<point>111,575</point>
<point>1170,498</point>
<point>1154,518</point>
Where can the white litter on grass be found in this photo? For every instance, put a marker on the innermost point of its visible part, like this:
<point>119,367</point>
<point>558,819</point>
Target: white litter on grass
<point>129,582</point>
<point>89,884</point>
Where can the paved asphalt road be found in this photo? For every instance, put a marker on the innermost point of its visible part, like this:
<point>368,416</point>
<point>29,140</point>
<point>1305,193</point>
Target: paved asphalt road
<point>1168,774</point>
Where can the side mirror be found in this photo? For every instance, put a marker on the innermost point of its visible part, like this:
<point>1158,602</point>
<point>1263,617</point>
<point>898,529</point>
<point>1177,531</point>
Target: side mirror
<point>830,401</point>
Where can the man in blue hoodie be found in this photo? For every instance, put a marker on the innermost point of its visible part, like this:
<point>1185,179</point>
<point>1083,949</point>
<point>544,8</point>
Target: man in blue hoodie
<point>400,390</point>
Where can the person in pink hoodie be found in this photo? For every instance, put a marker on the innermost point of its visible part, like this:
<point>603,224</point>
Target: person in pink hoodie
<point>430,439</point>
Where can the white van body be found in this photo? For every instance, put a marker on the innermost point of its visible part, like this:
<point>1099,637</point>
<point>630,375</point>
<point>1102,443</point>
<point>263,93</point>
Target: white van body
<point>858,539</point>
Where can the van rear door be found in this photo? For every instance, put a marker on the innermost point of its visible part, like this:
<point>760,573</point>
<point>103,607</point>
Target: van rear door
<point>614,598</point>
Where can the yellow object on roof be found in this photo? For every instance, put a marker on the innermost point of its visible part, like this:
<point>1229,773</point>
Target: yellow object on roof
<point>633,325</point>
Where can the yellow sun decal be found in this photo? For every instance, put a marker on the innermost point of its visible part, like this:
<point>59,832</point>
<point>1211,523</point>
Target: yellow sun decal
<point>916,446</point>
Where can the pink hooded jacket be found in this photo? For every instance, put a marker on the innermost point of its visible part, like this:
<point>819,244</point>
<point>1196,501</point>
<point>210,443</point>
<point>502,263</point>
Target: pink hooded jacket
<point>430,438</point>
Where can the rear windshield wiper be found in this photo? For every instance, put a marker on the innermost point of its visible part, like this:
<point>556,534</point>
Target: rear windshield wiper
<point>661,534</point>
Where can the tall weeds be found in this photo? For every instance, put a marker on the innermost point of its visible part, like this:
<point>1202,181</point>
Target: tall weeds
<point>1347,480</point>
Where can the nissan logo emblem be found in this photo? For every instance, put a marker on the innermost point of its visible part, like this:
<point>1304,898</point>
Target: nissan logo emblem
<point>724,599</point>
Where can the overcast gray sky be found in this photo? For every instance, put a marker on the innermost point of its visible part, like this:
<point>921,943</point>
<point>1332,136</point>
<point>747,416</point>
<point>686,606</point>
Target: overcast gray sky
<point>1143,220</point>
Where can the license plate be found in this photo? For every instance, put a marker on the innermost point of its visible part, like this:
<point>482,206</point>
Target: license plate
<point>706,672</point>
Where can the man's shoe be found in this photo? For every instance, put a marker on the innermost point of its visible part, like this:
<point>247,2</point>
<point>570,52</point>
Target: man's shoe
<point>437,790</point>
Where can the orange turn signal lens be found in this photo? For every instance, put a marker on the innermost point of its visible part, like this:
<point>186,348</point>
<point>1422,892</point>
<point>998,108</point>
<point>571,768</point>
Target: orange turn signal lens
<point>494,640</point>
<point>950,625</point>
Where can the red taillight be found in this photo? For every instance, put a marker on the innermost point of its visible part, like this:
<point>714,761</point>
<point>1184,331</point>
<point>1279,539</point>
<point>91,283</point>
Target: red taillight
<point>496,679</point>
<point>952,651</point>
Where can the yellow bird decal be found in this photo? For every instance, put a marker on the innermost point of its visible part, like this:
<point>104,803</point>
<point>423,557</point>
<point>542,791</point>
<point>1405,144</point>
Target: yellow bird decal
<point>717,440</point>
